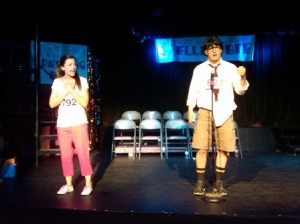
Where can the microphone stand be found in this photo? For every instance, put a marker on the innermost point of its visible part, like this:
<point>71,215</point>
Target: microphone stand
<point>212,197</point>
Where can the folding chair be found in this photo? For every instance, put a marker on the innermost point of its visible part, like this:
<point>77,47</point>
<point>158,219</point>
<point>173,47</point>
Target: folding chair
<point>150,135</point>
<point>177,138</point>
<point>124,137</point>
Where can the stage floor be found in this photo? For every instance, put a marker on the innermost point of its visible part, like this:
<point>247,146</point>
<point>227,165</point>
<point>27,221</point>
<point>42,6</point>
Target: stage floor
<point>262,188</point>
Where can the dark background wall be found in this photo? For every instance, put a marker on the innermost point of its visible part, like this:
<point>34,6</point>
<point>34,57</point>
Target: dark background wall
<point>123,39</point>
<point>122,36</point>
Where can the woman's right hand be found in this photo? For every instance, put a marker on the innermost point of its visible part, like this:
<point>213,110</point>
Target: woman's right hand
<point>69,86</point>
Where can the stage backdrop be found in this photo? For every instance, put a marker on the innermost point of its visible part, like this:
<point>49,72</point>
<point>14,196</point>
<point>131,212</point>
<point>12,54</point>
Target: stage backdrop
<point>50,54</point>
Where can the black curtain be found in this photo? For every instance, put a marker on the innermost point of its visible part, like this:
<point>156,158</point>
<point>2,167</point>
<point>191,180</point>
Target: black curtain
<point>132,80</point>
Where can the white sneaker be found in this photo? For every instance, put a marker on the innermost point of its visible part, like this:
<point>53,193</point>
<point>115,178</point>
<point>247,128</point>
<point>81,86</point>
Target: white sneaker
<point>65,189</point>
<point>87,190</point>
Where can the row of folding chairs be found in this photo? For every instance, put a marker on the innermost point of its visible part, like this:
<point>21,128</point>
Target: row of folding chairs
<point>152,131</point>
<point>167,132</point>
<point>153,114</point>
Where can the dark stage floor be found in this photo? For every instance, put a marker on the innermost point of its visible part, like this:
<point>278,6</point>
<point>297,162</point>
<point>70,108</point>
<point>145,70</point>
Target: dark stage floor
<point>262,187</point>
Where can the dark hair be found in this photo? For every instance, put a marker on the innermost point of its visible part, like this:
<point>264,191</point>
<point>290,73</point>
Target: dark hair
<point>60,73</point>
<point>211,41</point>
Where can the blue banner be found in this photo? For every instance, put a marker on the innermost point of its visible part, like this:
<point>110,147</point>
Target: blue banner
<point>50,54</point>
<point>236,48</point>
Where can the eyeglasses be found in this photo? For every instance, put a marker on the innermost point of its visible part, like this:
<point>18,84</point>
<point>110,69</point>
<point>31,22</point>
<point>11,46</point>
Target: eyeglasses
<point>214,47</point>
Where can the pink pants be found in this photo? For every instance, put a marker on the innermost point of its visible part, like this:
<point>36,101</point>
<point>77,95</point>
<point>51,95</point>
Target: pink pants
<point>74,137</point>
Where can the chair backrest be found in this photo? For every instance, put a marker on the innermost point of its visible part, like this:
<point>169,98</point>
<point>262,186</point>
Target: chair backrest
<point>152,114</point>
<point>124,124</point>
<point>124,127</point>
<point>150,124</point>
<point>185,115</point>
<point>176,124</point>
<point>171,115</point>
<point>132,115</point>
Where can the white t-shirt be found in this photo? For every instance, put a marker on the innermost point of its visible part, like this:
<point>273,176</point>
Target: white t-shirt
<point>70,113</point>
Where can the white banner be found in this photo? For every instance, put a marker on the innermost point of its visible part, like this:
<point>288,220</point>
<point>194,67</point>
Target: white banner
<point>235,48</point>
<point>50,53</point>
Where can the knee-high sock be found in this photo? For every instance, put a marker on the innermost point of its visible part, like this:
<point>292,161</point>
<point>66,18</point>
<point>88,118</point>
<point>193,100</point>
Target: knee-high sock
<point>200,173</point>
